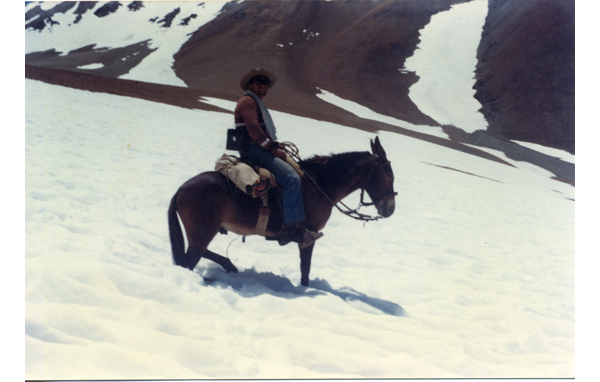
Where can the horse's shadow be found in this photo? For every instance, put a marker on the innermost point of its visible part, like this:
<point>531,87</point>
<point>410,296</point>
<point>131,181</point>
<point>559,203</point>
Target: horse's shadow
<point>250,283</point>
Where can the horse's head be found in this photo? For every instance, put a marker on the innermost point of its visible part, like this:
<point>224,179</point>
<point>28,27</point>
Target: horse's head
<point>380,182</point>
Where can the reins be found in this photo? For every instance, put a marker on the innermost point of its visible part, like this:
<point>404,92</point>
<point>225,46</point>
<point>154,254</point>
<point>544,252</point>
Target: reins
<point>292,150</point>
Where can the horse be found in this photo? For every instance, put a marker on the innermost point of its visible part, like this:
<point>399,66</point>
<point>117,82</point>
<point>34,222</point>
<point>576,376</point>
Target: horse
<point>208,204</point>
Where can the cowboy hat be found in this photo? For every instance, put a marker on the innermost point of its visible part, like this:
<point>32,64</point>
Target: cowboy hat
<point>245,81</point>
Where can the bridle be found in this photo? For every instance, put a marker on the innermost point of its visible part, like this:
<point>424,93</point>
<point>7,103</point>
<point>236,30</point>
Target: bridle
<point>292,150</point>
<point>390,191</point>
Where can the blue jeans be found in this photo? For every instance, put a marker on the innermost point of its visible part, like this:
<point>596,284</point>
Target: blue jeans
<point>286,177</point>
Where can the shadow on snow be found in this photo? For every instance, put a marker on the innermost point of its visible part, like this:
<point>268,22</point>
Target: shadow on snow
<point>250,283</point>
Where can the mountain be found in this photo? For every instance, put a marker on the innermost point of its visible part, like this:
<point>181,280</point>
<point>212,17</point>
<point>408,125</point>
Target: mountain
<point>526,71</point>
<point>353,49</point>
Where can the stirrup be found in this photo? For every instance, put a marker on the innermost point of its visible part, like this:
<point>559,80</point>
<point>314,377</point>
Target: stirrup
<point>299,235</point>
<point>309,238</point>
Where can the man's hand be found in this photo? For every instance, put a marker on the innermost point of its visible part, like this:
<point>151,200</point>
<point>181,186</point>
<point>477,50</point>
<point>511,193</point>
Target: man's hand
<point>279,153</point>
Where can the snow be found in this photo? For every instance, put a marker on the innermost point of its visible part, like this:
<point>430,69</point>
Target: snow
<point>481,266</point>
<point>561,154</point>
<point>364,112</point>
<point>33,4</point>
<point>47,5</point>
<point>472,277</point>
<point>445,62</point>
<point>109,32</point>
<point>170,41</point>
<point>97,65</point>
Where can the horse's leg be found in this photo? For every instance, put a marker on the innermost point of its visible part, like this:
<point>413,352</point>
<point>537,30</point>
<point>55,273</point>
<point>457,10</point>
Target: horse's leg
<point>202,225</point>
<point>198,249</point>
<point>305,259</point>
<point>221,260</point>
<point>203,204</point>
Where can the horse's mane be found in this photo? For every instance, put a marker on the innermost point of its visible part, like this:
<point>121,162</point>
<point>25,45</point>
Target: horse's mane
<point>333,167</point>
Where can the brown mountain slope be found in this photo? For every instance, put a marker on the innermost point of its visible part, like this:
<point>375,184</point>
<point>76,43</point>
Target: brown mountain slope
<point>526,71</point>
<point>350,48</point>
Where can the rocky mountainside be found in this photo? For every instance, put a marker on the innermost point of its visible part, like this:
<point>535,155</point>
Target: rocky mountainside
<point>353,49</point>
<point>356,50</point>
<point>526,71</point>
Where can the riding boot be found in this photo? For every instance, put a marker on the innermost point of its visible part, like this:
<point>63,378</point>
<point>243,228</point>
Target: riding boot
<point>290,232</point>
<point>297,233</point>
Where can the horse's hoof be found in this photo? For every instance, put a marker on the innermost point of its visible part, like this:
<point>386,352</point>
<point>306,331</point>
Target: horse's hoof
<point>231,268</point>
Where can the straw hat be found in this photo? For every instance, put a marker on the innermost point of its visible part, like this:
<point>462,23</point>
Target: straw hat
<point>254,73</point>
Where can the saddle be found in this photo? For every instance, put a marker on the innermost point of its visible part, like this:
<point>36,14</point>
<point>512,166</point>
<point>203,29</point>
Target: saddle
<point>245,175</point>
<point>252,180</point>
<point>257,181</point>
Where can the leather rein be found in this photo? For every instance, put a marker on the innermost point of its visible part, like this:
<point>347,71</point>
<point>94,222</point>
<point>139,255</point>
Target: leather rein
<point>292,151</point>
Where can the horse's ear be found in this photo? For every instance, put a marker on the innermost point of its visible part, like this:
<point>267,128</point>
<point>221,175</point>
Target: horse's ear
<point>378,149</point>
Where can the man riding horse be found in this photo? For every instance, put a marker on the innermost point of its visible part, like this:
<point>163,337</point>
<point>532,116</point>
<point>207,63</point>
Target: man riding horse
<point>207,203</point>
<point>263,149</point>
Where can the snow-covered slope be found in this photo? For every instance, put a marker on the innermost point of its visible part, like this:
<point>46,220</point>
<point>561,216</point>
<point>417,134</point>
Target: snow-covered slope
<point>478,256</point>
<point>165,24</point>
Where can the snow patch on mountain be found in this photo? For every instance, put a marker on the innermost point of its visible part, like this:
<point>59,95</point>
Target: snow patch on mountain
<point>557,153</point>
<point>445,61</point>
<point>65,35</point>
<point>367,113</point>
<point>91,66</point>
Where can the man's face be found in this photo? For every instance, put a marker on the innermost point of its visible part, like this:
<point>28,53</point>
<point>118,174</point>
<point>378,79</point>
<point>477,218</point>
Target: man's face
<point>259,86</point>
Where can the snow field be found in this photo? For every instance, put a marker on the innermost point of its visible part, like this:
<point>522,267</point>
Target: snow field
<point>483,266</point>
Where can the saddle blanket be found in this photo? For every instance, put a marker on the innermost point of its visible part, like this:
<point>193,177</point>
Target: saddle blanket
<point>243,175</point>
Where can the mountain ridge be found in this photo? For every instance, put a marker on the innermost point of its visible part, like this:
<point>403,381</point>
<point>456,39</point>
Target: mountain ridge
<point>357,55</point>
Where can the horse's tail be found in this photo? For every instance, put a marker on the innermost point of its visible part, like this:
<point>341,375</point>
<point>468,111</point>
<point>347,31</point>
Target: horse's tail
<point>176,235</point>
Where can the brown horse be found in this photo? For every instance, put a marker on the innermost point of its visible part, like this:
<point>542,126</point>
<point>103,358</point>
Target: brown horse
<point>209,203</point>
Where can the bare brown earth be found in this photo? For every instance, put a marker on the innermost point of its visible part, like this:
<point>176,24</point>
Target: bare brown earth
<point>350,48</point>
<point>115,62</point>
<point>171,95</point>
